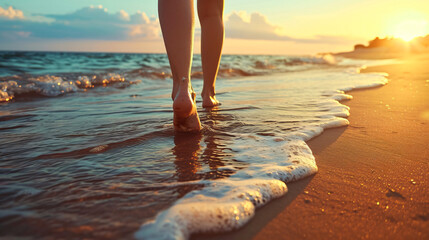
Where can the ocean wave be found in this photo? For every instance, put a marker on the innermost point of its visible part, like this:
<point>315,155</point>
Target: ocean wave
<point>52,86</point>
<point>254,66</point>
<point>44,74</point>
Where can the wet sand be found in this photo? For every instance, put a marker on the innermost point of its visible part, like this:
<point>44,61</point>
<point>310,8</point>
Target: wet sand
<point>373,175</point>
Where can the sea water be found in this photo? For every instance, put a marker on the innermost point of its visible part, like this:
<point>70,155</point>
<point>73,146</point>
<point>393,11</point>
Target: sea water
<point>88,147</point>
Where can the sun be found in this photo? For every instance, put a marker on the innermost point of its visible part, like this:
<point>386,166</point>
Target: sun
<point>409,29</point>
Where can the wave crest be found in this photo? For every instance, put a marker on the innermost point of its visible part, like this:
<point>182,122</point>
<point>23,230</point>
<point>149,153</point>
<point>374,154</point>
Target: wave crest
<point>52,86</point>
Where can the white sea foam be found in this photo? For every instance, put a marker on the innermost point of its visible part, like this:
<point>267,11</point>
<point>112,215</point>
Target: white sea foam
<point>45,85</point>
<point>4,96</point>
<point>227,204</point>
<point>52,86</point>
<point>211,209</point>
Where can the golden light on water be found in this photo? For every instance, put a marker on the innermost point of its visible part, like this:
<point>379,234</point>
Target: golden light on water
<point>409,29</point>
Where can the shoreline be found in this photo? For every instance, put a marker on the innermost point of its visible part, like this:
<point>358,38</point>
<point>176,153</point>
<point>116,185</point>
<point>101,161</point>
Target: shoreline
<point>380,54</point>
<point>372,179</point>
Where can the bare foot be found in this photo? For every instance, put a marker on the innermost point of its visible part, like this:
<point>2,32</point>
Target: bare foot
<point>185,109</point>
<point>209,100</point>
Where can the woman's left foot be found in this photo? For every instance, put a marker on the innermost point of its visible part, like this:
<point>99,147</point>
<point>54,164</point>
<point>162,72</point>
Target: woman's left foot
<point>209,101</point>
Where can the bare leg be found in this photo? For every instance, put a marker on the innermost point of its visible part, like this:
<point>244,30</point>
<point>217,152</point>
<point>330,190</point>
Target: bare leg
<point>177,23</point>
<point>210,13</point>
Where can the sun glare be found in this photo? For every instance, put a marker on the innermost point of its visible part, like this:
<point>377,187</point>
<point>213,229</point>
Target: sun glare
<point>407,30</point>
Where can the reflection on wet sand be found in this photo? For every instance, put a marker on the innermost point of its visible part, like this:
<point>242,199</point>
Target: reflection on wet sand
<point>187,150</point>
<point>202,155</point>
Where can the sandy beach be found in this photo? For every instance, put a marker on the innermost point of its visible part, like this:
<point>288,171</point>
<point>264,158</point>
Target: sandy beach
<point>372,181</point>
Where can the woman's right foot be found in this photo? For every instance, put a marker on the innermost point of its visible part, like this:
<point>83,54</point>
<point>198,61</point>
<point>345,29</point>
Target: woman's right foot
<point>185,109</point>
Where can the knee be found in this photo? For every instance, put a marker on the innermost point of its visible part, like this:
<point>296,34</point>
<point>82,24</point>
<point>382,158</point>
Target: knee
<point>210,9</point>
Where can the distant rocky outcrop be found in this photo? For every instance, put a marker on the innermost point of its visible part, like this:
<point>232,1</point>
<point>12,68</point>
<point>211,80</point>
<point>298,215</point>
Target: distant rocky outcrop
<point>387,48</point>
<point>418,44</point>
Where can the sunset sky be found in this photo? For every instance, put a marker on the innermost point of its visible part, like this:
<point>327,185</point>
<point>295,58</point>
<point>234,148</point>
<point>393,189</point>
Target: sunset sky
<point>252,27</point>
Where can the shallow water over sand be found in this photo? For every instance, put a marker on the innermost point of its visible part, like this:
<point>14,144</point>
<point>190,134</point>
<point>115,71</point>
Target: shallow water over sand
<point>100,161</point>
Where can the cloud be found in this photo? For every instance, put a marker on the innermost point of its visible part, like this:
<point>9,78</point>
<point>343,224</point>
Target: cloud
<point>11,13</point>
<point>95,23</point>
<point>124,15</point>
<point>142,26</point>
<point>255,26</point>
<point>241,25</point>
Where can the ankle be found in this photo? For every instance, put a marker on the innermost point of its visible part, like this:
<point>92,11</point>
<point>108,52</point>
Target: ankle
<point>180,86</point>
<point>208,93</point>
